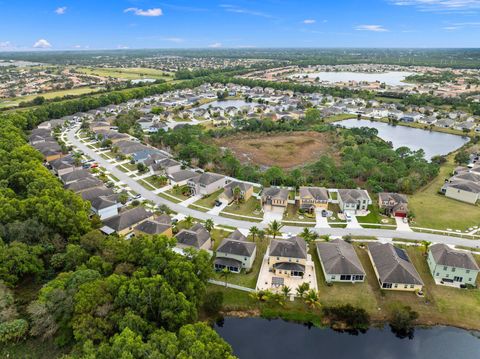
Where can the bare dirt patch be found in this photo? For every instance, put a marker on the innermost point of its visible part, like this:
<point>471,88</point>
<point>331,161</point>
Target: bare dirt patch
<point>285,150</point>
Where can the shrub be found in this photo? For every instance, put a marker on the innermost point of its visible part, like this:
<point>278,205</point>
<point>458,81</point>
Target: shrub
<point>213,303</point>
<point>13,330</point>
<point>401,321</point>
<point>353,317</point>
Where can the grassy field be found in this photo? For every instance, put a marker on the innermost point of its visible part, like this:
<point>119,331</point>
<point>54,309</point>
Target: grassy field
<point>245,209</point>
<point>10,102</point>
<point>286,150</point>
<point>33,349</point>
<point>209,201</point>
<point>127,73</point>
<point>374,216</point>
<point>434,210</point>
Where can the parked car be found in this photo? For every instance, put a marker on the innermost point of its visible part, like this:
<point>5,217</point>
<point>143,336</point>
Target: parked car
<point>94,165</point>
<point>218,203</point>
<point>348,217</point>
<point>137,196</point>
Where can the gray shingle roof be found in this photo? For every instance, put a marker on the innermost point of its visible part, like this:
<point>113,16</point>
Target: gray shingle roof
<point>152,227</point>
<point>393,264</point>
<point>446,256</point>
<point>239,247</point>
<point>391,196</point>
<point>127,218</point>
<point>275,193</point>
<point>353,195</point>
<point>193,237</point>
<point>318,193</point>
<point>294,247</point>
<point>84,184</point>
<point>244,187</point>
<point>339,257</point>
<point>207,178</point>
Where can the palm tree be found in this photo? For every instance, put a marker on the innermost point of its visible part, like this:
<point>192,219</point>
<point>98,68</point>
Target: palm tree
<point>237,194</point>
<point>274,229</point>
<point>425,245</point>
<point>311,299</point>
<point>286,290</point>
<point>302,289</point>
<point>77,158</point>
<point>224,274</point>
<point>209,224</point>
<point>308,235</point>
<point>253,232</point>
<point>189,221</point>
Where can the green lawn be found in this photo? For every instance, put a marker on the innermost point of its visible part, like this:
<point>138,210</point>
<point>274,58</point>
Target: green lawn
<point>335,208</point>
<point>33,349</point>
<point>174,200</point>
<point>156,181</point>
<point>245,209</point>
<point>178,192</point>
<point>48,95</point>
<point>146,185</point>
<point>130,166</point>
<point>291,214</point>
<point>433,210</point>
<point>121,168</point>
<point>133,73</point>
<point>374,216</point>
<point>209,201</point>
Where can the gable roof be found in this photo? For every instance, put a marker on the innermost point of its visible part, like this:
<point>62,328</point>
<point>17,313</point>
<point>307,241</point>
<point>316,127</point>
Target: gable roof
<point>353,195</point>
<point>236,247</point>
<point>207,178</point>
<point>393,264</point>
<point>294,247</point>
<point>244,187</point>
<point>317,193</point>
<point>127,218</point>
<point>391,196</point>
<point>275,193</point>
<point>196,236</point>
<point>339,257</point>
<point>152,227</point>
<point>446,256</point>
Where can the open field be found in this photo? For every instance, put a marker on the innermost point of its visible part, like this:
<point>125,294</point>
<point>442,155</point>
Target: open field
<point>127,73</point>
<point>433,210</point>
<point>286,150</point>
<point>48,95</point>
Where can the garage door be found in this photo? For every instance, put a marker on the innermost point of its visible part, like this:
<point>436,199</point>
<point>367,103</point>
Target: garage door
<point>400,214</point>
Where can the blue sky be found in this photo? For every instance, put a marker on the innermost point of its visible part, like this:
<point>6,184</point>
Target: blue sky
<point>113,24</point>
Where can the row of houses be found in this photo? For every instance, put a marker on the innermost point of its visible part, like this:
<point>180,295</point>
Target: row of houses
<point>464,185</point>
<point>393,267</point>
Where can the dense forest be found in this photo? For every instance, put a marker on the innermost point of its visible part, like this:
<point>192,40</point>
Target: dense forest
<point>94,295</point>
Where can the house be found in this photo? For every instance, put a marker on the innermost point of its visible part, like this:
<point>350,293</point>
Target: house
<point>159,225</point>
<point>340,262</point>
<point>465,191</point>
<point>287,257</point>
<point>63,165</point>
<point>311,198</point>
<point>275,199</point>
<point>206,184</point>
<point>393,204</point>
<point>235,252</point>
<point>124,222</point>
<point>246,191</point>
<point>75,176</point>
<point>393,268</point>
<point>103,201</point>
<point>166,167</point>
<point>181,177</point>
<point>197,237</point>
<point>84,184</point>
<point>452,267</point>
<point>353,200</point>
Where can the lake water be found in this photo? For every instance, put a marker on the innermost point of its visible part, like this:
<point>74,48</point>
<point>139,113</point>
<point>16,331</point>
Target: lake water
<point>253,338</point>
<point>392,78</point>
<point>228,103</point>
<point>433,143</point>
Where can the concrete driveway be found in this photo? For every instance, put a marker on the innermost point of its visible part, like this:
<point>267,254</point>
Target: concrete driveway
<point>190,200</point>
<point>353,222</point>
<point>402,226</point>
<point>217,209</point>
<point>322,222</point>
<point>272,215</point>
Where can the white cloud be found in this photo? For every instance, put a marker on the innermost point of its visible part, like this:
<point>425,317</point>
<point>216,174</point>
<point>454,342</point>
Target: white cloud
<point>215,45</point>
<point>5,44</point>
<point>42,44</point>
<point>239,10</point>
<point>122,47</point>
<point>374,28</point>
<point>148,12</point>
<point>440,5</point>
<point>309,21</point>
<point>61,10</point>
<point>174,39</point>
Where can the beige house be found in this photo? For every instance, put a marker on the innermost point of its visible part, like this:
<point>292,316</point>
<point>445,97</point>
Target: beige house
<point>196,237</point>
<point>246,191</point>
<point>393,268</point>
<point>206,184</point>
<point>311,198</point>
<point>274,199</point>
<point>234,253</point>
<point>287,257</point>
<point>123,223</point>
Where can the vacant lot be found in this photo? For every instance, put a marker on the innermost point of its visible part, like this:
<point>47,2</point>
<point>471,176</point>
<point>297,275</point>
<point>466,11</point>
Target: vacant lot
<point>133,73</point>
<point>286,150</point>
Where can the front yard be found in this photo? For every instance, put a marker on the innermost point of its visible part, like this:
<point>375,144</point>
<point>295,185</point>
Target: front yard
<point>292,214</point>
<point>249,208</point>
<point>209,201</point>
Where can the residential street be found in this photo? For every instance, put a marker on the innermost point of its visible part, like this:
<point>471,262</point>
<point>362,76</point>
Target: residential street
<point>219,220</point>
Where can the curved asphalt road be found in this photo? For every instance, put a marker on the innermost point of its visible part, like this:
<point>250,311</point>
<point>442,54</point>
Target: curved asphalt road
<point>382,233</point>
